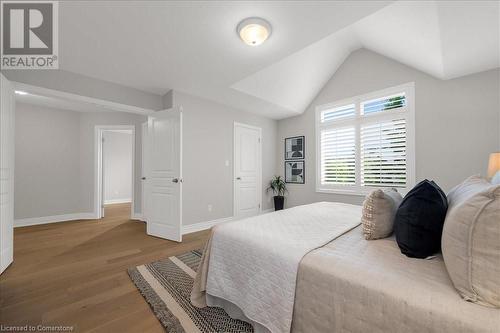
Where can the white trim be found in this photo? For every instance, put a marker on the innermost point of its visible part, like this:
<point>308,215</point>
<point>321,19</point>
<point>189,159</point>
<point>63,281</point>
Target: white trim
<point>112,106</point>
<point>138,217</point>
<point>247,126</point>
<point>52,219</point>
<point>117,201</point>
<point>259,181</point>
<point>408,112</point>
<point>195,227</point>
<point>187,229</point>
<point>98,188</point>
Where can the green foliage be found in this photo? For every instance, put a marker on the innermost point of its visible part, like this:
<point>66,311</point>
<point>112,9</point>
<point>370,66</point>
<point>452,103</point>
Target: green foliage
<point>395,102</point>
<point>278,186</point>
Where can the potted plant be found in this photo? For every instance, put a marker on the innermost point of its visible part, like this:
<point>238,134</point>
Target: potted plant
<point>278,186</point>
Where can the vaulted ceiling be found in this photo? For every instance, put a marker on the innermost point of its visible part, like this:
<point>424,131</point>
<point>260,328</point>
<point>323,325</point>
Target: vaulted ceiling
<point>193,46</point>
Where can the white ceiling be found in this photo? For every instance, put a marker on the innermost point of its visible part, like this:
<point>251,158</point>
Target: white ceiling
<point>446,39</point>
<point>193,46</point>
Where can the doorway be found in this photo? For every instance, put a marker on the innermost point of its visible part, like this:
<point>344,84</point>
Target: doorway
<point>115,156</point>
<point>247,180</point>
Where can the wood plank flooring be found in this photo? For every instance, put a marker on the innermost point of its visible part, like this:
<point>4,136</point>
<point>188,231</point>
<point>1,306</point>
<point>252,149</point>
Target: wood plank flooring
<point>74,274</point>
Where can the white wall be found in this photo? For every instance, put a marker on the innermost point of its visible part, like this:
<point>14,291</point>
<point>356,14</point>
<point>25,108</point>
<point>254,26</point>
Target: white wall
<point>457,121</point>
<point>55,159</point>
<point>207,145</point>
<point>117,167</point>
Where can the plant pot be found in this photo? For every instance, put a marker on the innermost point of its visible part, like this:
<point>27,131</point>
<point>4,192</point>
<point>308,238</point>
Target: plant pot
<point>279,202</point>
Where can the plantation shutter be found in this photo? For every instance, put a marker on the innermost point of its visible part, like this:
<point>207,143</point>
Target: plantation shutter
<point>366,142</point>
<point>383,154</point>
<point>341,112</point>
<point>338,156</point>
<point>384,104</point>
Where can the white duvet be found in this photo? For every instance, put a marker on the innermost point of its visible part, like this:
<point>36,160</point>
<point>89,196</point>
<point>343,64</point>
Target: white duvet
<point>253,263</point>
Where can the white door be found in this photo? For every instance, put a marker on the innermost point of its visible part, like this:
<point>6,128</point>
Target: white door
<point>164,175</point>
<point>144,169</point>
<point>247,170</point>
<point>6,173</point>
<point>103,171</point>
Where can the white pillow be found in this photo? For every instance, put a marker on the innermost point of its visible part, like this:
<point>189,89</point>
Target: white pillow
<point>496,179</point>
<point>379,210</point>
<point>471,240</point>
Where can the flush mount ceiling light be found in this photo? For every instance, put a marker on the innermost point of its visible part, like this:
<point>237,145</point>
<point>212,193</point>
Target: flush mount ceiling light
<point>254,31</point>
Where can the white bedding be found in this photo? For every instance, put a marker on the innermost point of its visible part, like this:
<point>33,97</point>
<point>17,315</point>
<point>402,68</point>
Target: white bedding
<point>253,263</point>
<point>355,285</point>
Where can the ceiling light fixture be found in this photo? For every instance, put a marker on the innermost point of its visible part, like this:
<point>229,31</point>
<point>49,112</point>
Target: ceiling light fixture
<point>19,92</point>
<point>254,31</point>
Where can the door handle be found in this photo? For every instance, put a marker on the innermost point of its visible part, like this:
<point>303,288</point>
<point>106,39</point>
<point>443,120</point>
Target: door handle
<point>175,180</point>
<point>238,178</point>
<point>143,178</point>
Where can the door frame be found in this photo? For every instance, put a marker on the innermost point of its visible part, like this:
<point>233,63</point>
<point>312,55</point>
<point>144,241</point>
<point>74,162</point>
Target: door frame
<point>98,167</point>
<point>259,181</point>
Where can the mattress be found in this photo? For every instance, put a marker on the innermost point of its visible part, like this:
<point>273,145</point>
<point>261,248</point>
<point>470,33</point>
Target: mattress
<point>354,285</point>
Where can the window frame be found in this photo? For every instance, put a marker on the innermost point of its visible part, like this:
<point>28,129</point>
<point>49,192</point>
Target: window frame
<point>408,113</point>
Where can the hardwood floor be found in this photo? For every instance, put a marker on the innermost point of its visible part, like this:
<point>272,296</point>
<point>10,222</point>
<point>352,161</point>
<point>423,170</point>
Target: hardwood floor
<point>74,274</point>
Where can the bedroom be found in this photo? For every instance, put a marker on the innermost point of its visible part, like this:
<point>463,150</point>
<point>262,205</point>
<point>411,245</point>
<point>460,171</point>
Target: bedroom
<point>425,73</point>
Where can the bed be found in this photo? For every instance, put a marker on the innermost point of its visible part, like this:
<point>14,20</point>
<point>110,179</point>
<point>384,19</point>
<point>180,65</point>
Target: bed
<point>342,283</point>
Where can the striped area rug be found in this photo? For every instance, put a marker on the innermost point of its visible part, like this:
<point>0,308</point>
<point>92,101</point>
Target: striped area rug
<point>166,285</point>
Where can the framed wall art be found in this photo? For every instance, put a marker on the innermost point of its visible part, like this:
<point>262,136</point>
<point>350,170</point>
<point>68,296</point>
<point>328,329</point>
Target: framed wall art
<point>295,148</point>
<point>295,172</point>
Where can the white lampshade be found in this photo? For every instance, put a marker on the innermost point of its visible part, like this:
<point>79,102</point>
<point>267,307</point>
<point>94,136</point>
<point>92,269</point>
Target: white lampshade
<point>254,31</point>
<point>494,164</point>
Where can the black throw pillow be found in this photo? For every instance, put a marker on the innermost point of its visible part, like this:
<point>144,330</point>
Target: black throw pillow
<point>419,220</point>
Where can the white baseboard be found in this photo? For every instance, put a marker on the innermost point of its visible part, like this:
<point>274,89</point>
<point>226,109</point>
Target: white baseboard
<point>138,216</point>
<point>117,201</point>
<point>195,227</point>
<point>187,229</point>
<point>53,219</point>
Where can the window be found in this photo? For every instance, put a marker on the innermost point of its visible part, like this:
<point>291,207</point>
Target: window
<point>366,142</point>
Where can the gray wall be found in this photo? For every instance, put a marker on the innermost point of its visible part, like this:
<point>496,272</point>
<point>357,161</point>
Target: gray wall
<point>88,121</point>
<point>207,145</point>
<point>208,141</point>
<point>47,162</point>
<point>55,159</point>
<point>117,166</point>
<point>457,121</point>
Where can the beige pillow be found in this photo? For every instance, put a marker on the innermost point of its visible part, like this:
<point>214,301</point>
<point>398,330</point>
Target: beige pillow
<point>379,210</point>
<point>471,240</point>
